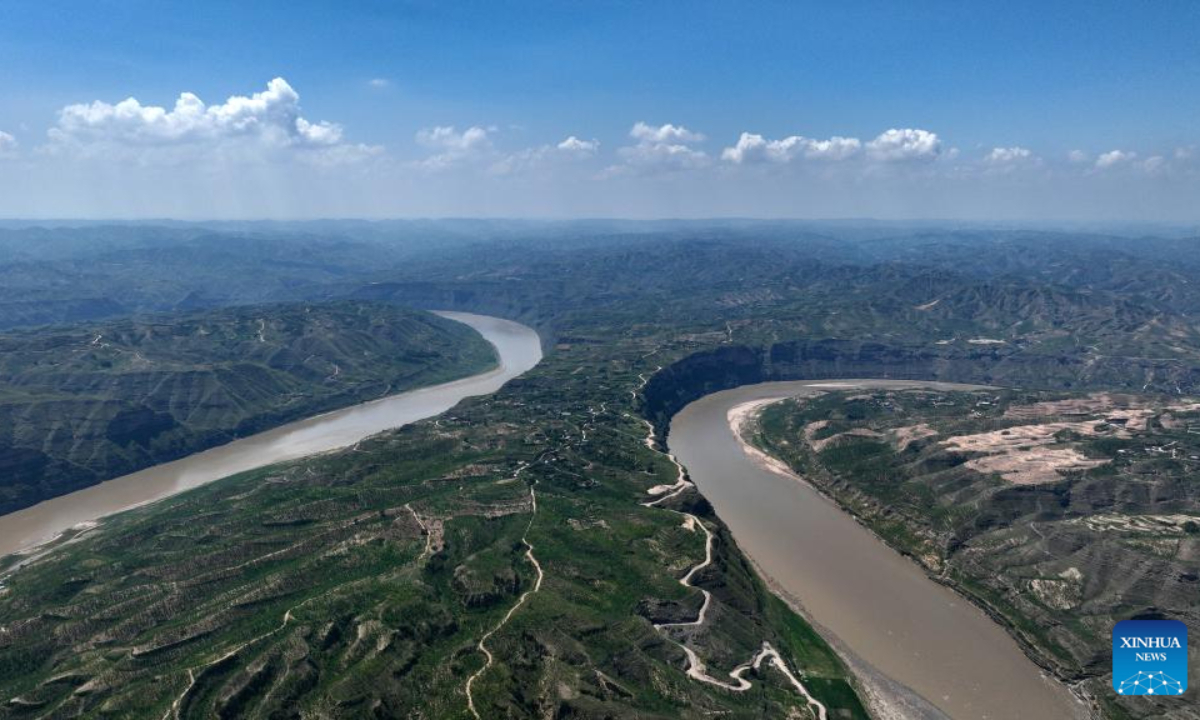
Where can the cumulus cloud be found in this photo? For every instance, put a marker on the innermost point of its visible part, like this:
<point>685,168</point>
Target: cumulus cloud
<point>1008,155</point>
<point>1175,162</point>
<point>662,155</point>
<point>1078,157</point>
<point>904,144</point>
<point>663,134</point>
<point>8,143</point>
<point>447,137</point>
<point>474,148</point>
<point>582,148</point>
<point>751,148</point>
<point>1114,158</point>
<point>896,145</point>
<point>666,147</point>
<point>570,149</point>
<point>1006,160</point>
<point>453,147</point>
<point>272,116</point>
<point>263,125</point>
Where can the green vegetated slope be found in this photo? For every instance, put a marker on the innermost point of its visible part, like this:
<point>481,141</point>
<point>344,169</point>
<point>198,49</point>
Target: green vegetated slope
<point>81,404</point>
<point>1059,514</point>
<point>359,584</point>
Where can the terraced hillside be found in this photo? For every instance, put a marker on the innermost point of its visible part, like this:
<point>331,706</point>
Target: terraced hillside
<point>1059,513</point>
<point>81,404</point>
<point>530,554</point>
<point>504,559</point>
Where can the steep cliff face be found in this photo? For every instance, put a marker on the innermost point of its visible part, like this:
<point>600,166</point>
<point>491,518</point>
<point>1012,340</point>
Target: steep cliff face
<point>83,404</point>
<point>708,371</point>
<point>699,374</point>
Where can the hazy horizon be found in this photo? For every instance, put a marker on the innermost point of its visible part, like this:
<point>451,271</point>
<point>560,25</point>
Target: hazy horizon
<point>1116,226</point>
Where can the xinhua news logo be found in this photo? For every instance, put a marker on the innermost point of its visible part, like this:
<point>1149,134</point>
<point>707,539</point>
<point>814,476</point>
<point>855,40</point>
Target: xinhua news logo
<point>1150,657</point>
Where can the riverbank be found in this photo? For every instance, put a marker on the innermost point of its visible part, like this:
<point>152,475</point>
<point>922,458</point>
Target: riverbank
<point>518,348</point>
<point>872,602</point>
<point>887,699</point>
<point>740,419</point>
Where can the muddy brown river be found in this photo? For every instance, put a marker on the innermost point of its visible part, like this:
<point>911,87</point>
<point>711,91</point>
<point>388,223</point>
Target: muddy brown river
<point>518,347</point>
<point>903,633</point>
<point>877,606</point>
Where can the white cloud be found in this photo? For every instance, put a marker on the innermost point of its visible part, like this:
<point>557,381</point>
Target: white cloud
<point>263,127</point>
<point>752,148</point>
<point>8,143</point>
<point>1185,153</point>
<point>904,144</point>
<point>570,149</point>
<point>666,147</point>
<point>668,133</point>
<point>1008,155</point>
<point>664,155</point>
<point>447,137</point>
<point>379,82</point>
<point>835,148</point>
<point>271,117</point>
<point>454,147</point>
<point>1114,158</point>
<point>474,147</point>
<point>1078,157</point>
<point>1155,165</point>
<point>1006,160</point>
<point>321,133</point>
<point>577,147</point>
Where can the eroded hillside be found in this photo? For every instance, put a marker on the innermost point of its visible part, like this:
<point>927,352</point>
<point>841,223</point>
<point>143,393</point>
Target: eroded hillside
<point>81,404</point>
<point>1060,514</point>
<point>517,557</point>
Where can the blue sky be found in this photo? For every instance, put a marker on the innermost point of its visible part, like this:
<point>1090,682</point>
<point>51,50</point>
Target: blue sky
<point>1055,86</point>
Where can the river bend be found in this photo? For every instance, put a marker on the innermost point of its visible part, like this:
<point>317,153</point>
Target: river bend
<point>870,600</point>
<point>517,346</point>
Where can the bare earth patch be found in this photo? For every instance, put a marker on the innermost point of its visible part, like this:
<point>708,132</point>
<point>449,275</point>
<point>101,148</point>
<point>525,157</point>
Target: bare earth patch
<point>1027,454</point>
<point>811,430</point>
<point>907,435</point>
<point>1031,454</point>
<point>1140,524</point>
<point>1063,592</point>
<point>1131,411</point>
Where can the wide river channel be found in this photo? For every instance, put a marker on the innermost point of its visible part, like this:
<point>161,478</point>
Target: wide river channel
<point>894,623</point>
<point>518,347</point>
<point>877,606</point>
